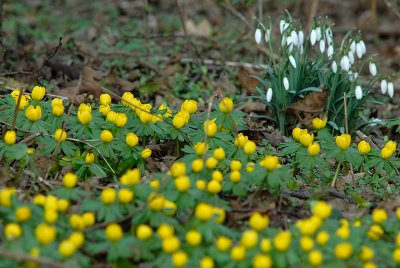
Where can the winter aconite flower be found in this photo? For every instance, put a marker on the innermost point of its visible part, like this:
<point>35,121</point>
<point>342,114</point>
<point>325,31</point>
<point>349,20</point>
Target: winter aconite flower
<point>210,128</point>
<point>343,141</point>
<point>84,117</point>
<point>343,250</point>
<point>108,196</point>
<point>132,139</point>
<point>33,114</point>
<point>179,259</point>
<point>315,258</point>
<point>204,211</point>
<point>113,232</point>
<point>38,93</point>
<point>12,231</point>
<point>105,99</point>
<point>314,149</point>
<point>145,153</point>
<point>45,234</point>
<point>143,232</point>
<point>106,136</point>
<point>226,105</point>
<point>379,215</point>
<point>282,241</point>
<point>363,147</point>
<point>60,135</point>
<point>89,158</point>
<point>10,137</point>
<point>70,180</point>
<point>189,106</point>
<point>319,123</point>
<point>193,238</point>
<point>66,248</point>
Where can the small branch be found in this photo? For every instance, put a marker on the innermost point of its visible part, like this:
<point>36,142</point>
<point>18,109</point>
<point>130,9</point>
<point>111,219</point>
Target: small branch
<point>367,138</point>
<point>23,257</point>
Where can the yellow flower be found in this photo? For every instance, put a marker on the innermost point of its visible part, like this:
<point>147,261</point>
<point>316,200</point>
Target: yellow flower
<point>258,222</point>
<point>145,153</point>
<point>343,232</point>
<point>125,196</point>
<point>22,103</point>
<point>201,148</point>
<point>296,132</point>
<point>66,248</point>
<point>104,110</point>
<point>306,243</point>
<point>379,215</point>
<point>318,123</point>
<point>50,216</point>
<point>84,117</point>
<point>265,245</point>
<point>12,231</point>
<point>170,244</point>
<point>56,101</point>
<point>204,211</point>
<point>226,105</point>
<point>70,180</point>
<point>45,234</point>
<point>60,135</point>
<point>180,119</point>
<point>106,136</point>
<point>241,140</point>
<point>314,149</point>
<point>217,176</point>
<point>315,258</point>
<point>322,209</point>
<point>249,148</point>
<point>77,238</point>
<point>108,196</point>
<point>220,213</point>
<point>33,113</point>
<point>62,205</point>
<point>236,165</point>
<point>179,259</point>
<point>375,232</point>
<point>219,154</point>
<point>145,116</point>
<point>89,158</point>
<point>132,139</point>
<point>343,141</point>
<point>189,106</point>
<point>5,196</point>
<point>211,163</point>
<point>33,252</point>
<point>38,93</point>
<point>366,254</point>
<point>178,169</point>
<point>30,151</point>
<point>143,232</point>
<point>168,111</point>
<point>156,202</point>
<point>214,187</point>
<point>197,165</point>
<point>282,241</point>
<point>105,99</point>
<point>23,214</point>
<point>120,120</point>
<point>10,137</point>
<point>210,128</point>
<point>322,238</point>
<point>386,153</point>
<point>89,219</point>
<point>396,255</point>
<point>182,183</point>
<point>193,238</point>
<point>165,231</point>
<point>131,177</point>
<point>391,145</point>
<point>262,261</point>
<point>111,116</point>
<point>270,162</point>
<point>207,262</point>
<point>238,253</point>
<point>306,139</point>
<point>370,265</point>
<point>363,147</point>
<point>39,199</point>
<point>235,176</point>
<point>249,239</point>
<point>343,250</point>
<point>201,184</point>
<point>127,99</point>
<point>223,243</point>
<point>114,232</point>
<point>58,110</point>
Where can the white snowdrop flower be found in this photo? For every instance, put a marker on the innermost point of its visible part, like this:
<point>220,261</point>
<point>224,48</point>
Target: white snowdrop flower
<point>313,37</point>
<point>351,76</point>
<point>282,25</point>
<point>355,75</point>
<point>301,38</point>
<point>353,47</point>
<point>301,49</point>
<point>363,47</point>
<point>329,36</point>
<point>334,66</point>
<point>292,61</point>
<point>289,43</point>
<point>345,63</point>
<point>358,92</point>
<point>329,52</point>
<point>283,42</point>
<point>359,50</point>
<point>351,57</point>
<point>384,86</point>
<point>268,95</point>
<point>390,89</point>
<point>267,35</point>
<point>319,33</point>
<point>286,83</point>
<point>372,68</point>
<point>295,38</point>
<point>322,45</point>
<point>258,36</point>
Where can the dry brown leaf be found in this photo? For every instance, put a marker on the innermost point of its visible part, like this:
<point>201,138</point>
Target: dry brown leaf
<point>247,82</point>
<point>203,29</point>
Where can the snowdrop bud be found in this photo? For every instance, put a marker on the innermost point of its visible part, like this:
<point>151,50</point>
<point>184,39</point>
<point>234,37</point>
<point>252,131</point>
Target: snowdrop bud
<point>313,37</point>
<point>334,66</point>
<point>281,25</point>
<point>286,83</point>
<point>319,34</point>
<point>359,50</point>
<point>295,38</point>
<point>359,93</point>
<point>322,45</point>
<point>292,61</point>
<point>289,43</point>
<point>384,86</point>
<point>267,35</point>
<point>329,52</point>
<point>328,36</point>
<point>363,47</point>
<point>345,63</point>
<point>390,89</point>
<point>351,57</point>
<point>301,38</point>
<point>258,36</point>
<point>372,68</point>
<point>353,47</point>
<point>268,96</point>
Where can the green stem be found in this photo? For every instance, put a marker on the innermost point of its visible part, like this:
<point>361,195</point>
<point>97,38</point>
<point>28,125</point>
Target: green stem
<point>336,174</point>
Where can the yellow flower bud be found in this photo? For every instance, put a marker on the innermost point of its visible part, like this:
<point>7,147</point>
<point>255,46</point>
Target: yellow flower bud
<point>45,234</point>
<point>179,120</point>
<point>84,117</point>
<point>145,153</point>
<point>23,214</point>
<point>386,153</point>
<point>182,183</point>
<point>226,105</point>
<point>189,106</point>
<point>105,99</point>
<point>104,110</point>
<point>120,120</point>
<point>58,110</point>
<point>210,128</point>
<point>318,123</point>
<point>114,232</point>
<point>33,113</point>
<point>193,238</point>
<point>56,101</point>
<point>314,149</point>
<point>306,139</point>
<point>132,139</point>
<point>270,162</point>
<point>201,148</point>
<point>144,232</point>
<point>10,137</point>
<point>343,250</point>
<point>106,136</point>
<point>364,147</point>
<point>343,141</point>
<point>70,180</point>
<point>125,196</point>
<point>249,147</point>
<point>219,154</point>
<point>282,241</point>
<point>204,211</point>
<point>108,196</point>
<point>89,159</point>
<point>12,231</point>
<point>60,135</point>
<point>38,93</point>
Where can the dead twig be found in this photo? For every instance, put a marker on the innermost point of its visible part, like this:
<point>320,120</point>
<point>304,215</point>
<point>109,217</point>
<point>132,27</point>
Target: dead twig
<point>23,257</point>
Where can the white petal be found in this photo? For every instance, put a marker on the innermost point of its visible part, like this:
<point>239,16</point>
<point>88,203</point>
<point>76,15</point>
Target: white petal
<point>372,69</point>
<point>322,45</point>
<point>258,36</point>
<point>319,34</point>
<point>329,52</point>
<point>329,36</point>
<point>286,83</point>
<point>268,96</point>
<point>359,50</point>
<point>353,47</point>
<point>267,35</point>
<point>359,93</point>
<point>334,66</point>
<point>345,63</point>
<point>313,37</point>
<point>283,42</point>
<point>390,89</point>
<point>285,26</point>
<point>295,38</point>
<point>281,25</point>
<point>363,47</point>
<point>351,57</point>
<point>384,86</point>
<point>301,37</point>
<point>292,61</point>
<point>301,49</point>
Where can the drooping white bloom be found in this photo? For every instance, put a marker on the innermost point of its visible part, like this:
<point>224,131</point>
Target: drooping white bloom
<point>267,35</point>
<point>286,83</point>
<point>301,38</point>
<point>319,33</point>
<point>351,57</point>
<point>390,89</point>
<point>359,50</point>
<point>313,37</point>
<point>329,52</point>
<point>353,47</point>
<point>345,63</point>
<point>295,38</point>
<point>268,95</point>
<point>282,25</point>
<point>322,45</point>
<point>352,76</point>
<point>292,61</point>
<point>258,36</point>
<point>334,66</point>
<point>289,43</point>
<point>358,92</point>
<point>363,47</point>
<point>372,68</point>
<point>384,86</point>
<point>329,36</point>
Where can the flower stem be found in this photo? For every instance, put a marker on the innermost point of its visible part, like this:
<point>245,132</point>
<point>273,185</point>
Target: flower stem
<point>336,174</point>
